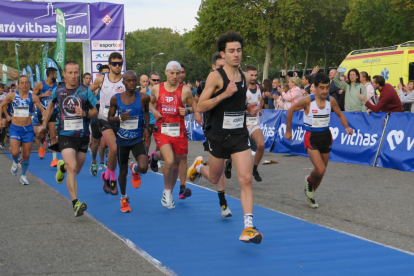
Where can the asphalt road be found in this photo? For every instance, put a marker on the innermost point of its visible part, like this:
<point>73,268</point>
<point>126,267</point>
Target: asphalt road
<point>38,236</point>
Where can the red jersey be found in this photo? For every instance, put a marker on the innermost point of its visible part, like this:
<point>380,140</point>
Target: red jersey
<point>168,104</point>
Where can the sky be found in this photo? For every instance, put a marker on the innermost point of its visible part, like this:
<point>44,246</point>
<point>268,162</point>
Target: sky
<point>177,15</point>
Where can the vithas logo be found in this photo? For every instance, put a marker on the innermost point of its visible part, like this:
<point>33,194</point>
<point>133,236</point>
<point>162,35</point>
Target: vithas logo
<point>398,136</point>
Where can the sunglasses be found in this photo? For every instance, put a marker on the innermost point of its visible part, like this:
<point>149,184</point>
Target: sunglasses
<point>155,80</point>
<point>117,63</point>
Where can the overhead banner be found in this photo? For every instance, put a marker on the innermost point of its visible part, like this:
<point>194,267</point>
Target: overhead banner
<point>20,19</point>
<point>30,74</point>
<point>4,78</point>
<point>52,63</point>
<point>38,76</point>
<point>397,151</point>
<point>45,51</point>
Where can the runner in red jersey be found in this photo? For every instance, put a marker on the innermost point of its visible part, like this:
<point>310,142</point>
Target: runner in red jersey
<point>167,105</point>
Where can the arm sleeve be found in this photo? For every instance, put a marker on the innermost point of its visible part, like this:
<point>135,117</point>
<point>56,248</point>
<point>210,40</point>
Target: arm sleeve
<point>383,101</point>
<point>409,98</point>
<point>54,98</point>
<point>91,99</point>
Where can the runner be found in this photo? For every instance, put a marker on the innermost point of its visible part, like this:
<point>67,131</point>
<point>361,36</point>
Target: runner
<point>3,118</point>
<point>43,90</point>
<point>144,80</point>
<point>224,103</point>
<point>318,139</point>
<point>21,129</point>
<point>218,62</point>
<point>110,85</point>
<point>76,105</point>
<point>132,107</point>
<point>167,105</point>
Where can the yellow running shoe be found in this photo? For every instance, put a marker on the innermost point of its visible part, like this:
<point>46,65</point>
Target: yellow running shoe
<point>250,234</point>
<point>60,176</point>
<point>192,173</point>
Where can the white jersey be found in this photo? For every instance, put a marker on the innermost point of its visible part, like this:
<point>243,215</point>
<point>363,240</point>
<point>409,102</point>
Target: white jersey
<point>108,89</point>
<point>317,119</point>
<point>253,98</point>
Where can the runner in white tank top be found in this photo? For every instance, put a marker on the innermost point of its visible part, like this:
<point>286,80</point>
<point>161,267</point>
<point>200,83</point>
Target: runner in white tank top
<point>318,139</point>
<point>108,90</point>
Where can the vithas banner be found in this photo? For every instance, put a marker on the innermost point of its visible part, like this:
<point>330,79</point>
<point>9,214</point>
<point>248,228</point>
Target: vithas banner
<point>60,50</point>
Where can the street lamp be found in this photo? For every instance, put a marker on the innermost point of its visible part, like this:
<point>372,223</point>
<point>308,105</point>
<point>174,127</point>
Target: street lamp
<point>294,66</point>
<point>258,66</point>
<point>152,63</point>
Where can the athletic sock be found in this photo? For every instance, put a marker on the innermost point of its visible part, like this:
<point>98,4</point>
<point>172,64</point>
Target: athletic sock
<point>16,160</point>
<point>112,175</point>
<point>198,168</point>
<point>124,196</point>
<point>222,198</point>
<point>74,202</point>
<point>135,168</point>
<point>54,154</point>
<point>62,169</point>
<point>25,165</point>
<point>248,220</point>
<point>167,192</point>
<point>310,180</point>
<point>42,145</point>
<point>182,185</point>
<point>107,173</point>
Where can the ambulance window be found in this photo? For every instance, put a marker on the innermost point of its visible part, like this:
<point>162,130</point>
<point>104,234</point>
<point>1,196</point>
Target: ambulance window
<point>411,71</point>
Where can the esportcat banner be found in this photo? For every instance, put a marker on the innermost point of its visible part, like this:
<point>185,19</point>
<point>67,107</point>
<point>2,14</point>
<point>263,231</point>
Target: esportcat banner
<point>397,151</point>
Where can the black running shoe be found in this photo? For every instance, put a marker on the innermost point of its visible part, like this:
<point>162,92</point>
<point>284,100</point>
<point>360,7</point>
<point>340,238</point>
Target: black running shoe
<point>153,163</point>
<point>257,176</point>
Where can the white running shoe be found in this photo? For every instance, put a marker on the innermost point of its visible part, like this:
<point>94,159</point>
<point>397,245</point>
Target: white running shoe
<point>23,180</point>
<point>167,201</point>
<point>14,168</point>
<point>312,202</point>
<point>225,211</point>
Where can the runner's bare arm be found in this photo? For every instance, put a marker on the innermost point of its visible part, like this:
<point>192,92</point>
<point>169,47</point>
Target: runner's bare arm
<point>341,116</point>
<point>112,110</point>
<point>197,115</point>
<point>302,104</point>
<point>187,98</point>
<point>145,100</point>
<point>3,106</point>
<point>153,102</point>
<point>36,101</point>
<point>97,83</point>
<point>38,88</point>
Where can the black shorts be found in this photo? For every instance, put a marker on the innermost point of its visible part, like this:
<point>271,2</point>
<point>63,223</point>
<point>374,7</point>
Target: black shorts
<point>104,125</point>
<point>95,129</point>
<point>224,147</point>
<point>321,141</point>
<point>80,144</point>
<point>52,118</point>
<point>137,150</point>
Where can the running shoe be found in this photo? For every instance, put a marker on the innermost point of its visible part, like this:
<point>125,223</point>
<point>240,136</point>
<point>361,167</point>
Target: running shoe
<point>227,171</point>
<point>94,169</point>
<point>225,211</point>
<point>192,173</point>
<point>105,187</point>
<point>42,152</point>
<point>136,178</point>
<point>106,151</point>
<point>60,176</point>
<point>167,201</point>
<point>309,191</point>
<point>54,163</point>
<point>312,202</point>
<point>14,168</point>
<point>101,167</point>
<point>153,163</point>
<point>1,145</point>
<point>23,180</point>
<point>184,192</point>
<point>114,188</point>
<point>79,208</point>
<point>256,176</point>
<point>251,234</point>
<point>125,208</point>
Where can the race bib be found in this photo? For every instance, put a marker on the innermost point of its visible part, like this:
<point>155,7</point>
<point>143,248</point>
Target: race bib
<point>251,120</point>
<point>21,111</point>
<point>106,111</point>
<point>172,130</point>
<point>73,123</point>
<point>131,123</point>
<point>233,120</point>
<point>320,122</point>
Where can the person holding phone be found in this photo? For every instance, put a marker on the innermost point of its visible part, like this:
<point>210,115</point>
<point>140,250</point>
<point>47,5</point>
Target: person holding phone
<point>352,88</point>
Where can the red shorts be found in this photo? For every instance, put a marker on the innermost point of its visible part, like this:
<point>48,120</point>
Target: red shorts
<point>179,145</point>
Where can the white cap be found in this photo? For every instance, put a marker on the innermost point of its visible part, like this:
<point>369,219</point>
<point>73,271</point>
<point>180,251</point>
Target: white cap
<point>173,65</point>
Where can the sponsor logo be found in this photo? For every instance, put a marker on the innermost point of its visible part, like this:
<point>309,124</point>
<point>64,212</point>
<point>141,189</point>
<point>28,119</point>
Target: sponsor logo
<point>398,137</point>
<point>334,132</point>
<point>107,45</point>
<point>314,111</point>
<point>297,134</point>
<point>268,132</point>
<point>107,19</point>
<point>98,66</point>
<point>52,12</point>
<point>95,44</point>
<point>169,99</point>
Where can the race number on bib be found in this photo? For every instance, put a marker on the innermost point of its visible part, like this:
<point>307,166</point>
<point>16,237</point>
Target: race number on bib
<point>172,130</point>
<point>131,123</point>
<point>106,111</point>
<point>21,111</point>
<point>251,120</point>
<point>320,122</point>
<point>233,120</point>
<point>73,123</point>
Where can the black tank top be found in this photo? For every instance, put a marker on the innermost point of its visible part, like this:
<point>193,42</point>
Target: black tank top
<point>231,110</point>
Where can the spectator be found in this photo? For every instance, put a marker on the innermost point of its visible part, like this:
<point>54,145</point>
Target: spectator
<point>371,94</point>
<point>388,102</point>
<point>198,82</point>
<point>270,96</point>
<point>312,89</point>
<point>267,88</point>
<point>352,89</point>
<point>343,78</point>
<point>333,89</point>
<point>13,88</point>
<point>407,95</point>
<point>279,104</point>
<point>306,83</point>
<point>293,95</point>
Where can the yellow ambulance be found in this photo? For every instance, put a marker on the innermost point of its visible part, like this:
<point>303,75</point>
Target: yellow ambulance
<point>392,62</point>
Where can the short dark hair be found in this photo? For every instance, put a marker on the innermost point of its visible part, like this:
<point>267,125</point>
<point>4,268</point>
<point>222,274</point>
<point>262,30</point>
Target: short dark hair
<point>365,75</point>
<point>251,68</point>
<point>379,80</point>
<point>321,78</point>
<point>182,65</point>
<point>154,73</point>
<point>309,78</point>
<point>50,71</point>
<point>357,73</point>
<point>86,74</point>
<point>103,67</point>
<point>71,62</point>
<point>215,57</point>
<point>199,79</point>
<point>267,85</point>
<point>12,85</point>
<point>230,36</point>
<point>114,55</point>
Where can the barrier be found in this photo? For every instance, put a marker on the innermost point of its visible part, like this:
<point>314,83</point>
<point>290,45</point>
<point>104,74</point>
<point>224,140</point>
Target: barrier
<point>395,149</point>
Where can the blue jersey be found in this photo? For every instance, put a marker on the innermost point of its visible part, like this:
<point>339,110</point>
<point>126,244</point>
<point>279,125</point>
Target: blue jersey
<point>130,131</point>
<point>46,100</point>
<point>19,103</point>
<point>67,100</point>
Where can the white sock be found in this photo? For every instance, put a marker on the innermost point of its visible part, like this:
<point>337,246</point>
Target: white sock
<point>248,220</point>
<point>198,168</point>
<point>167,192</point>
<point>124,196</point>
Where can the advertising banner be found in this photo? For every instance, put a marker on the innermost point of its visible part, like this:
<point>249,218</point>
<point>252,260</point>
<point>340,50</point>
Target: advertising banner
<point>45,51</point>
<point>60,49</point>
<point>17,58</point>
<point>38,76</point>
<point>268,122</point>
<point>397,151</point>
<point>52,63</point>
<point>30,74</point>
<point>21,19</point>
<point>4,78</point>
<point>24,72</point>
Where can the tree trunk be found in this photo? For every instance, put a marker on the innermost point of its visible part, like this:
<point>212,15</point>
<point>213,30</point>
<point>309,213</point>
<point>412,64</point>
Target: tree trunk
<point>269,48</point>
<point>306,61</point>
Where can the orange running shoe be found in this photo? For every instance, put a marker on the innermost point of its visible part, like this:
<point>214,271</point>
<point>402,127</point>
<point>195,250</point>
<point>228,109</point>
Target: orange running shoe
<point>54,163</point>
<point>250,234</point>
<point>192,173</point>
<point>136,178</point>
<point>42,152</point>
<point>125,205</point>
